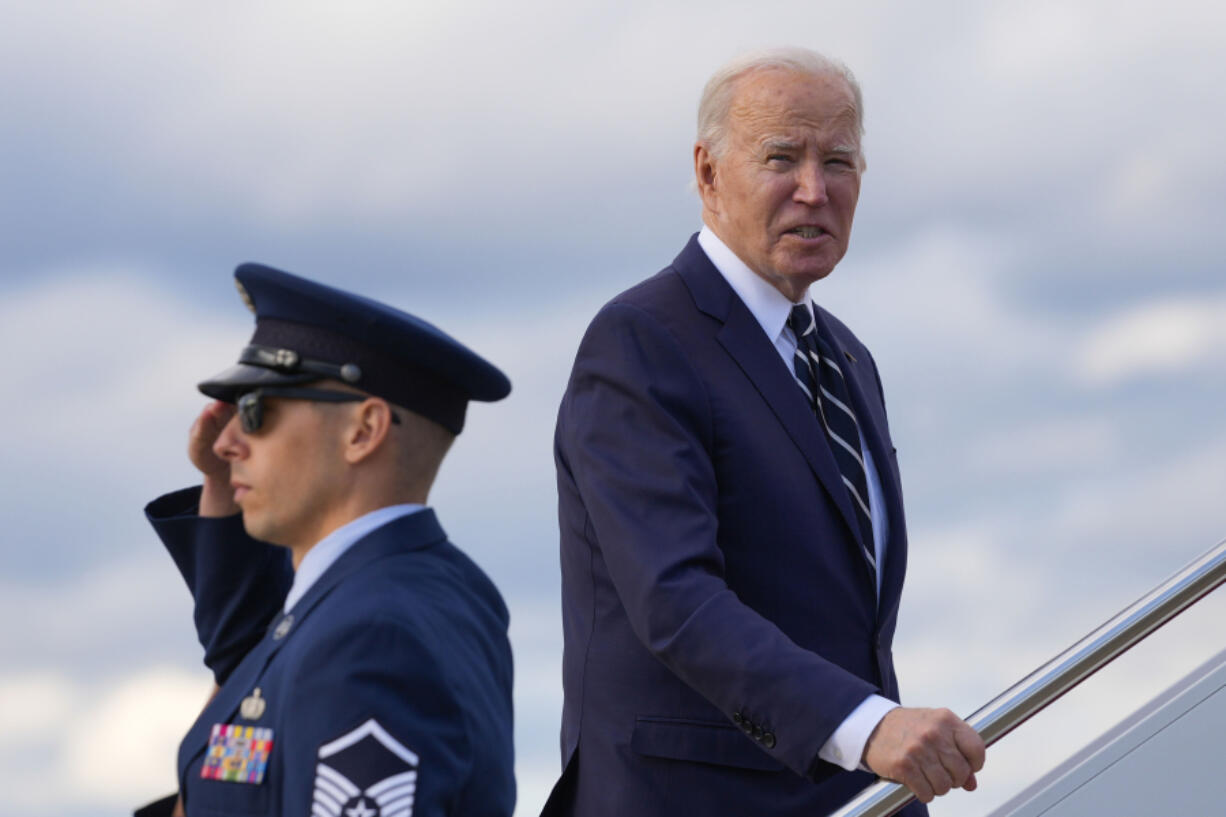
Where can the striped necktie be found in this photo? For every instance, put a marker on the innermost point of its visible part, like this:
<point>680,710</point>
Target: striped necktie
<point>819,376</point>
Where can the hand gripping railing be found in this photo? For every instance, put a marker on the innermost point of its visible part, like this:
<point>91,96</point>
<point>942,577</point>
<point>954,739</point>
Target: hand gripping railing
<point>1027,697</point>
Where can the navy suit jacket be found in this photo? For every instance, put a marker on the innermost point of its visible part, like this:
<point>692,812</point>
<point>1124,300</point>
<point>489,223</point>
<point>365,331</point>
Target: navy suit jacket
<point>719,619</point>
<point>402,631</point>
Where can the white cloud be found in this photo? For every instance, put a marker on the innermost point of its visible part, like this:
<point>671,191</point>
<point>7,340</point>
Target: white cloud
<point>1171,506</point>
<point>933,309</point>
<point>536,638</point>
<point>105,746</point>
<point>936,286</point>
<point>120,356</point>
<point>1156,338</point>
<point>503,462</point>
<point>536,631</point>
<point>1048,446</point>
<point>31,701</point>
<point>138,608</point>
<point>369,113</point>
<point>534,780</point>
<point>967,592</point>
<point>122,745</point>
<point>1178,172</point>
<point>1038,40</point>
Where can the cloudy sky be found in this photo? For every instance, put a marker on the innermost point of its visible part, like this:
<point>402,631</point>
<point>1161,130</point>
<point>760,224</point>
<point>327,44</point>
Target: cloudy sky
<point>1036,266</point>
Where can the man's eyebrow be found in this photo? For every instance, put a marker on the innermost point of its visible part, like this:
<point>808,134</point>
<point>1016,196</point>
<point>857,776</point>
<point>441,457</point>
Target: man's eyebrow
<point>850,150</point>
<point>772,145</point>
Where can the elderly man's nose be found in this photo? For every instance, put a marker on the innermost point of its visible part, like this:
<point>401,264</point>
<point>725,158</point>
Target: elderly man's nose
<point>810,184</point>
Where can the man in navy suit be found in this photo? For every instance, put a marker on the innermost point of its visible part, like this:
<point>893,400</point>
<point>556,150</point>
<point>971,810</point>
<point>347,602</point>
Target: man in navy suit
<point>362,659</point>
<point>732,534</point>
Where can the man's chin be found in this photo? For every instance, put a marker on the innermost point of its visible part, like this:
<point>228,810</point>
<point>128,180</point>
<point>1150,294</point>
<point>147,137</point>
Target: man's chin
<point>259,529</point>
<point>250,526</point>
<point>807,271</point>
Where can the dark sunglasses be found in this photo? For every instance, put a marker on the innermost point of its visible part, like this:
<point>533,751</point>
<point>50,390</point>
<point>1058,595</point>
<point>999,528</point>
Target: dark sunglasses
<point>250,404</point>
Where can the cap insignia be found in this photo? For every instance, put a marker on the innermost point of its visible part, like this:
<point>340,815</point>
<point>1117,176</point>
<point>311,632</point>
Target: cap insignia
<point>242,293</point>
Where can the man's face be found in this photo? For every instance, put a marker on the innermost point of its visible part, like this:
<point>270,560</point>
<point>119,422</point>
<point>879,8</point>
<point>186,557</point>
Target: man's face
<point>783,194</point>
<point>288,475</point>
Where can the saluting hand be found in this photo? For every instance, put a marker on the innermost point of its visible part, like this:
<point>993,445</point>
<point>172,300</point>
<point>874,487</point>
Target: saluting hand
<point>217,498</point>
<point>930,751</point>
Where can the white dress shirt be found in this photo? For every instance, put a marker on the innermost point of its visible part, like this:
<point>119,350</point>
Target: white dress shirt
<point>771,308</point>
<point>327,550</point>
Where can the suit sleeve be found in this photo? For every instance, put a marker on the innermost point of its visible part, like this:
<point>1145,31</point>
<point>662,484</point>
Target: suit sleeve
<point>237,583</point>
<point>636,432</point>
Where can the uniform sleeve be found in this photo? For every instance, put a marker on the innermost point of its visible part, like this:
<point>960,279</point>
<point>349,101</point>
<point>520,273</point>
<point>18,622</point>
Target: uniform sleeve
<point>238,584</point>
<point>376,723</point>
<point>636,432</point>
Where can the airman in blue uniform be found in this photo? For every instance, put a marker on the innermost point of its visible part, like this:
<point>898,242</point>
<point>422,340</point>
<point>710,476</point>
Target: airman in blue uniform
<point>362,660</point>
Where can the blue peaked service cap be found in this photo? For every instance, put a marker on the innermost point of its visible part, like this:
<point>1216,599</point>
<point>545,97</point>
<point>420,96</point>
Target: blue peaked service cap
<point>306,331</point>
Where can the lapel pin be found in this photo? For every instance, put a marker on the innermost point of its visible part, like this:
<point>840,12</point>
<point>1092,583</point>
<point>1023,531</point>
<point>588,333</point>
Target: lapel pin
<point>282,628</point>
<point>849,357</point>
<point>252,706</point>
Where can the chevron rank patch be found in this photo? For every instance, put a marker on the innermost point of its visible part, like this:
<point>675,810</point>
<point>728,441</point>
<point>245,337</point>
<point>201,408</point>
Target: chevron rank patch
<point>237,753</point>
<point>365,773</point>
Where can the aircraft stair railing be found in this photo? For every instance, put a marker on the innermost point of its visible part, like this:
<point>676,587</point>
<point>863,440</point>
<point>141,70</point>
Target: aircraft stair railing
<point>1032,694</point>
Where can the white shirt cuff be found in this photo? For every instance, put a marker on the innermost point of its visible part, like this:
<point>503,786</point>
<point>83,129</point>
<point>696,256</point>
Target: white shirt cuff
<point>845,747</point>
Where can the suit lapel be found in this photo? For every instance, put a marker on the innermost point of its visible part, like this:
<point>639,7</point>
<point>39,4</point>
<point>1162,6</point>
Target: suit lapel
<point>742,337</point>
<point>406,533</point>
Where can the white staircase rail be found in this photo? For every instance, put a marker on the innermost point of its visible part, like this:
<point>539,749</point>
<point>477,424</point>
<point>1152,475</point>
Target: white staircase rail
<point>1032,694</point>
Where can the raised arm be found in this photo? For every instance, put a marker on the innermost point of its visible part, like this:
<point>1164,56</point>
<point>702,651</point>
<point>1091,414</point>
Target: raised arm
<point>238,584</point>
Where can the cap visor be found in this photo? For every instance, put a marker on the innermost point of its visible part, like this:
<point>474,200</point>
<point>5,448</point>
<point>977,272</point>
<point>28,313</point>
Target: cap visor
<point>239,378</point>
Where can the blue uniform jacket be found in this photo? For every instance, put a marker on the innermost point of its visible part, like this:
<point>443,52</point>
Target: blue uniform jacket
<point>719,619</point>
<point>387,689</point>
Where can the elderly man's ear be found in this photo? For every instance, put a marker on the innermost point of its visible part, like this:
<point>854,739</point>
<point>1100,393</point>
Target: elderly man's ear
<point>704,174</point>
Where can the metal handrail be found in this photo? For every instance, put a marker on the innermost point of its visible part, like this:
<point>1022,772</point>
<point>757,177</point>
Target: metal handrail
<point>1028,697</point>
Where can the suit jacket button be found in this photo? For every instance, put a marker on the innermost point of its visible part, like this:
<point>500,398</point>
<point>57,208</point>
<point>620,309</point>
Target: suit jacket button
<point>757,732</point>
<point>768,740</point>
<point>737,719</point>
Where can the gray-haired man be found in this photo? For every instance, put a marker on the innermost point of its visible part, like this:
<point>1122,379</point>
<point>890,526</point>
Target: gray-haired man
<point>732,534</point>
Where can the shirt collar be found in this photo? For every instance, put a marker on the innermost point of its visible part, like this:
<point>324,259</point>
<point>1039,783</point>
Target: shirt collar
<point>319,558</point>
<point>768,305</point>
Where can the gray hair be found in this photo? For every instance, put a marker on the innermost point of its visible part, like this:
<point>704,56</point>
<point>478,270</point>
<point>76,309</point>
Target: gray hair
<point>716,102</point>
